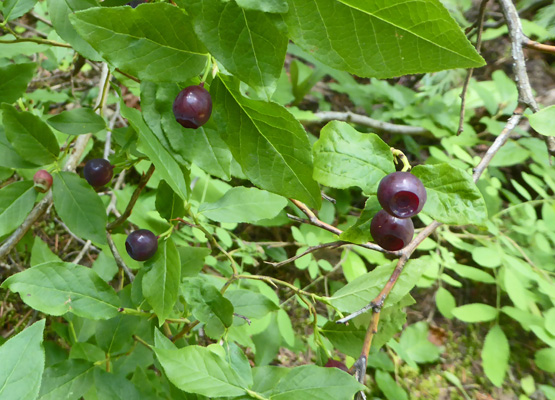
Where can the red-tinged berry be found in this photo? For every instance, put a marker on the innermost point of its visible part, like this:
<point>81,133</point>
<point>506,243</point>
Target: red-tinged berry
<point>43,181</point>
<point>192,107</point>
<point>336,364</point>
<point>391,233</point>
<point>401,194</point>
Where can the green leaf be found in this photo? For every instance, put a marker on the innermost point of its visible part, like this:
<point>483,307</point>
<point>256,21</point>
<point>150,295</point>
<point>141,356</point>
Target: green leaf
<point>380,39</point>
<point>550,321</point>
<point>445,302</point>
<point>360,232</point>
<point>267,141</point>
<point>365,288</point>
<point>318,383</point>
<point>166,166</point>
<point>353,266</point>
<point>241,204</point>
<point>453,198</point>
<point>22,364</point>
<point>486,257</point>
<point>156,42</point>
<point>9,157</point>
<point>115,335</point>
<point>473,273</point>
<point>196,369</point>
<point>78,121</point>
<point>545,359</point>
<point>347,338</point>
<point>114,387</point>
<point>59,12</point>
<point>250,304</point>
<point>192,260</point>
<point>239,362</point>
<point>16,200</point>
<point>414,341</point>
<point>250,44</point>
<point>161,282</point>
<point>41,253</point>
<point>14,79</point>
<point>202,146</point>
<point>56,288</point>
<point>344,157</point>
<point>67,380</point>
<point>30,137</point>
<point>168,203</point>
<point>542,121</point>
<point>476,312</point>
<point>272,6</point>
<point>79,206</point>
<point>389,387</point>
<point>206,301</point>
<point>14,9</point>
<point>495,355</point>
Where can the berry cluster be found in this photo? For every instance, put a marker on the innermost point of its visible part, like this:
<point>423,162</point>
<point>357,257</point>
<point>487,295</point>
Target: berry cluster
<point>401,195</point>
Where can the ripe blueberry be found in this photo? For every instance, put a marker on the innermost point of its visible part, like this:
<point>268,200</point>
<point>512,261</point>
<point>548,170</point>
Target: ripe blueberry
<point>135,3</point>
<point>391,233</point>
<point>401,194</point>
<point>337,364</point>
<point>141,244</point>
<point>43,181</point>
<point>192,106</point>
<point>98,172</point>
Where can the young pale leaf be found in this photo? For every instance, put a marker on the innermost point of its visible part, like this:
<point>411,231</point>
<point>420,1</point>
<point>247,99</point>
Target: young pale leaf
<point>161,282</point>
<point>14,79</point>
<point>545,359</point>
<point>453,198</point>
<point>250,44</point>
<point>59,12</point>
<point>22,364</point>
<point>414,341</point>
<point>77,121</point>
<point>202,146</point>
<point>157,41</point>
<point>445,302</point>
<point>250,304</point>
<point>196,369</point>
<point>55,288</point>
<point>79,206</point>
<point>495,355</point>
<point>68,380</point>
<point>476,312</point>
<point>389,387</point>
<point>267,141</point>
<point>314,382</point>
<point>270,6</point>
<point>365,288</point>
<point>241,204</point>
<point>14,9</point>
<point>166,166</point>
<point>344,157</point>
<point>168,203</point>
<point>30,137</point>
<point>16,200</point>
<point>542,121</point>
<point>380,39</point>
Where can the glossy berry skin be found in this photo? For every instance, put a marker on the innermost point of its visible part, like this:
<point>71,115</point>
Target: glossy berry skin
<point>391,233</point>
<point>43,181</point>
<point>336,364</point>
<point>192,107</point>
<point>401,194</point>
<point>98,172</point>
<point>141,244</point>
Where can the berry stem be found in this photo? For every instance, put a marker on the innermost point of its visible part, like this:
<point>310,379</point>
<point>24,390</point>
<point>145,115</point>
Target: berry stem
<point>206,70</point>
<point>400,156</point>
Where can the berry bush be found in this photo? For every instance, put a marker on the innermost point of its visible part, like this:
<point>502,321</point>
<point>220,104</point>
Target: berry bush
<point>277,199</point>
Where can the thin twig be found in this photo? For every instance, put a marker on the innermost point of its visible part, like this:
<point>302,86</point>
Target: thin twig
<point>36,40</point>
<point>311,249</point>
<point>363,120</point>
<point>481,14</point>
<point>544,48</point>
<point>117,257</point>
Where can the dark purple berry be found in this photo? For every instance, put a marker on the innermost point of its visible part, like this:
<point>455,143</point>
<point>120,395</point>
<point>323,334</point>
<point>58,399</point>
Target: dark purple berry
<point>98,172</point>
<point>135,3</point>
<point>192,106</point>
<point>336,364</point>
<point>401,194</point>
<point>43,181</point>
<point>391,233</point>
<point>141,244</point>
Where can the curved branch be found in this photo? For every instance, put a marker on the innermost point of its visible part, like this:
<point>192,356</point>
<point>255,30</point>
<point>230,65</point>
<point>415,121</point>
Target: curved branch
<point>370,122</point>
